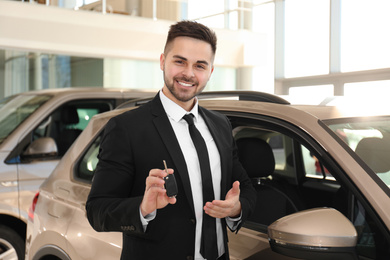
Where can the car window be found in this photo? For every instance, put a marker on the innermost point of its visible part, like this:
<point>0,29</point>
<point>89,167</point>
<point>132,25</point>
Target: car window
<point>66,123</point>
<point>370,139</point>
<point>87,164</point>
<point>15,109</point>
<point>314,168</point>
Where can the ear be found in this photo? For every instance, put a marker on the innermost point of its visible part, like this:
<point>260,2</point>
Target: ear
<point>162,60</point>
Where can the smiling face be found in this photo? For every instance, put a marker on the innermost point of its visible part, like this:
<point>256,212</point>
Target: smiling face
<point>187,65</point>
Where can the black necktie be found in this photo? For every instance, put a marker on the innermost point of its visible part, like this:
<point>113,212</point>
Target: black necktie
<point>208,245</point>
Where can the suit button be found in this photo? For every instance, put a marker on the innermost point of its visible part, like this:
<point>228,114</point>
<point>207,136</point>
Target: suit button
<point>131,228</point>
<point>193,221</point>
<point>190,257</point>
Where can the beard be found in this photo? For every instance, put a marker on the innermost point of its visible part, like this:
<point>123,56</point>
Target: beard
<point>183,96</point>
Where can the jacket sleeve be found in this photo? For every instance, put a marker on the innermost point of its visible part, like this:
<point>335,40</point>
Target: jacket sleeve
<point>109,206</point>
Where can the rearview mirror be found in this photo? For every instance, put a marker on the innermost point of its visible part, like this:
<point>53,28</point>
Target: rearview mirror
<point>320,233</point>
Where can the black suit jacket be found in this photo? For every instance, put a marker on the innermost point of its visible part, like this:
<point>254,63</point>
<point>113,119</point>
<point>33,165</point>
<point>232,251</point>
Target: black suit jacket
<point>135,142</point>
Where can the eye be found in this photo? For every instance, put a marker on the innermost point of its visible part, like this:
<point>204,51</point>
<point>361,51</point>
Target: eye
<point>201,67</point>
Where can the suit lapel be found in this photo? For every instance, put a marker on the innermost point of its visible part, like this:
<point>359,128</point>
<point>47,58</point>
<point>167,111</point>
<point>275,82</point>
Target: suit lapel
<point>168,136</point>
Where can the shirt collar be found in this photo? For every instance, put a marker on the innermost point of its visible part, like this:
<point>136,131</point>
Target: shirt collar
<point>175,111</point>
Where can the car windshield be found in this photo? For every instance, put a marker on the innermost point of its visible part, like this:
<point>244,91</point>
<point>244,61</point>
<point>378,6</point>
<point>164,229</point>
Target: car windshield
<point>15,109</point>
<point>370,139</point>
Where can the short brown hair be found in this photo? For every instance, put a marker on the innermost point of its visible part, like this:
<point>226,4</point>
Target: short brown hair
<point>192,29</point>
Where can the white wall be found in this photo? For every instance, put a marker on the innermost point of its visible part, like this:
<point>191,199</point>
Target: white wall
<point>49,29</point>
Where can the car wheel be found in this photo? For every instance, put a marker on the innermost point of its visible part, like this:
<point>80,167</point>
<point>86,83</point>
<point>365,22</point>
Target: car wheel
<point>11,244</point>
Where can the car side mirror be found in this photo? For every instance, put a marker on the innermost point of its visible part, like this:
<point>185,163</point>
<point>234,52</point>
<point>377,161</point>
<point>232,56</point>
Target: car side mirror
<point>41,148</point>
<point>320,233</point>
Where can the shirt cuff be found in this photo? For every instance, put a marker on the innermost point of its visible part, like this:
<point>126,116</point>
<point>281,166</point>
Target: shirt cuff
<point>145,220</point>
<point>233,222</point>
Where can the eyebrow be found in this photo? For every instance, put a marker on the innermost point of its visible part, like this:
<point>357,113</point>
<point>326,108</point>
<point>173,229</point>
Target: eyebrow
<point>185,59</point>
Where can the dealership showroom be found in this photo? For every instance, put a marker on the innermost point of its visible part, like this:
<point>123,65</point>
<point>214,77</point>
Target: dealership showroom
<point>302,149</point>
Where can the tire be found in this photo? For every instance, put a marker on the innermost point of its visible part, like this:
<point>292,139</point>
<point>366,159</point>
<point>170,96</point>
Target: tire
<point>11,244</point>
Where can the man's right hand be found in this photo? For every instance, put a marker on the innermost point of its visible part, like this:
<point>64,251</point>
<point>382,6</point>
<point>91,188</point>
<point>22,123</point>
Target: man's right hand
<point>155,196</point>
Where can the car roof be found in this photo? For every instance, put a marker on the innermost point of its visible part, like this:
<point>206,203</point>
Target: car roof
<point>334,109</point>
<point>75,90</point>
<point>346,107</point>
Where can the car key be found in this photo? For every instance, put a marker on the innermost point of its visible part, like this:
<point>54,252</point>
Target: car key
<point>170,182</point>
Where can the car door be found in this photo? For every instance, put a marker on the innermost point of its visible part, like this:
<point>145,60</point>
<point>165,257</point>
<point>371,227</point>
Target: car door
<point>304,176</point>
<point>84,242</point>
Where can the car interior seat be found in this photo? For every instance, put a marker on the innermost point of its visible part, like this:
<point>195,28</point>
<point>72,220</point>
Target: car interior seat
<point>68,135</point>
<point>275,199</point>
<point>375,152</point>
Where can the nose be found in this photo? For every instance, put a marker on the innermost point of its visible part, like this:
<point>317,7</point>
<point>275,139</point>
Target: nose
<point>188,72</point>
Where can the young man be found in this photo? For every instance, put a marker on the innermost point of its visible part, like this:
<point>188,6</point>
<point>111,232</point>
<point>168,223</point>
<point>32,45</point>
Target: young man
<point>128,193</point>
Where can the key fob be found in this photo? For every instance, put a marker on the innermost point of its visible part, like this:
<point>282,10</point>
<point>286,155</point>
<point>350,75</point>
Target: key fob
<point>170,185</point>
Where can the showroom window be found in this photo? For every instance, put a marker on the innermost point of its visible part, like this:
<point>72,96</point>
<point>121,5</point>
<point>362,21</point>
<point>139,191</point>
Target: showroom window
<point>369,89</point>
<point>365,39</point>
<point>339,42</point>
<point>306,37</point>
<point>316,93</point>
<point>26,71</point>
<point>212,15</point>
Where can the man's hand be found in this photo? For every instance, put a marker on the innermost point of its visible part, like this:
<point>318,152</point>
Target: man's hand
<point>155,196</point>
<point>230,207</point>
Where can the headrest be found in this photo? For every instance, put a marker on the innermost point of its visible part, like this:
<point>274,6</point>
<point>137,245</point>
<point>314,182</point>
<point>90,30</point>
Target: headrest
<point>69,115</point>
<point>256,157</point>
<point>375,152</point>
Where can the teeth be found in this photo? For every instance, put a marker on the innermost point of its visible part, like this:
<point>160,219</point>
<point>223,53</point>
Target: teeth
<point>184,84</point>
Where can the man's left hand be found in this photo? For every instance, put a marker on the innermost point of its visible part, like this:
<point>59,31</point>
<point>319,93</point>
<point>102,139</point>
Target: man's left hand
<point>230,207</point>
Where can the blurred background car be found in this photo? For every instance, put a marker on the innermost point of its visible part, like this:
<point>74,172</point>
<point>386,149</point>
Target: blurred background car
<point>325,164</point>
<point>36,130</point>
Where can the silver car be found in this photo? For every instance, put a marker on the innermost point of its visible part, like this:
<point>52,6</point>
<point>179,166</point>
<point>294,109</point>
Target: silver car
<point>36,129</point>
<point>322,175</point>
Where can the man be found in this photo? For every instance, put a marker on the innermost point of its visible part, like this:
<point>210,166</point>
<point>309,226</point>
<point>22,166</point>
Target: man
<point>128,193</point>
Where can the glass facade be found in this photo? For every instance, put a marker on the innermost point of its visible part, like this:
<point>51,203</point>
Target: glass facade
<point>322,47</point>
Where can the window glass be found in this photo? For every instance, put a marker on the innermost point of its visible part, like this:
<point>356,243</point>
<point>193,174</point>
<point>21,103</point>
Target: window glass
<point>263,21</point>
<point>89,161</point>
<point>125,73</point>
<point>215,21</point>
<point>372,89</point>
<point>316,93</point>
<point>84,114</point>
<point>26,71</point>
<point>223,78</point>
<point>364,38</point>
<point>306,37</point>
<point>264,18</point>
<point>370,139</point>
<point>233,20</point>
<point>313,167</point>
<point>14,110</point>
<point>67,122</point>
<point>196,8</point>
